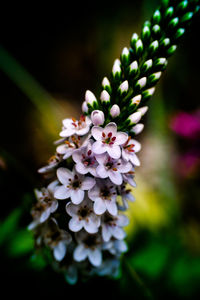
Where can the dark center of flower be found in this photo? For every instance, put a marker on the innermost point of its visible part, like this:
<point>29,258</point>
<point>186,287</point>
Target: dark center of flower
<point>108,139</point>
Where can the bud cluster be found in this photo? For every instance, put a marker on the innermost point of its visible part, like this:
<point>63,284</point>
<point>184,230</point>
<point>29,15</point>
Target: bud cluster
<point>78,217</point>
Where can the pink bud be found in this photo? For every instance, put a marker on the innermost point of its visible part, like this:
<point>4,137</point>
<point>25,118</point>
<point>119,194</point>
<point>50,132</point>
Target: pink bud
<point>84,107</point>
<point>115,111</point>
<point>97,117</point>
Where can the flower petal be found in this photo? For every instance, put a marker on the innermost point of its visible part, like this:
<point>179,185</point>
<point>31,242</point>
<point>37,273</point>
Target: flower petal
<point>114,151</point>
<point>88,183</point>
<point>99,206</point>
<point>83,130</point>
<point>118,233</point>
<point>115,177</point>
<point>122,220</point>
<point>80,253</point>
<point>111,127</point>
<point>71,209</point>
<point>90,226</point>
<point>64,175</point>
<point>75,224</point>
<point>98,147</point>
<point>95,257</point>
<point>67,132</point>
<point>59,251</point>
<point>134,159</point>
<point>101,171</point>
<point>121,138</point>
<point>111,207</point>
<point>62,192</point>
<point>77,196</point>
<point>97,132</point>
<point>106,234</point>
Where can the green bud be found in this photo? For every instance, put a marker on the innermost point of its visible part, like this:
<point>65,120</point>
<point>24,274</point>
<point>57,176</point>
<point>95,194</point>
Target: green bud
<point>134,39</point>
<point>183,5</point>
<point>186,17</point>
<point>146,66</point>
<point>153,78</point>
<point>174,22</point>
<point>171,50</point>
<point>146,33</point>
<point>106,85</point>
<point>125,56</point>
<point>169,12</point>
<point>139,47</point>
<point>179,33</point>
<point>165,43</point>
<point>156,17</point>
<point>154,47</point>
<point>160,63</point>
<point>156,29</point>
<point>140,83</point>
<point>148,93</point>
<point>133,68</point>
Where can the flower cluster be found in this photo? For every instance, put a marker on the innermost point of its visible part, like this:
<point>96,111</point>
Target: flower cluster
<point>79,216</point>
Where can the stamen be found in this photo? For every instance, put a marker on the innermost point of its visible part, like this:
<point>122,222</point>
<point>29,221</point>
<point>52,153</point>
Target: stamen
<point>103,134</point>
<point>109,134</point>
<point>89,152</point>
<point>113,138</point>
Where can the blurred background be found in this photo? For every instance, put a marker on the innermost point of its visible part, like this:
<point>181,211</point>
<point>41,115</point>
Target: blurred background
<point>49,56</point>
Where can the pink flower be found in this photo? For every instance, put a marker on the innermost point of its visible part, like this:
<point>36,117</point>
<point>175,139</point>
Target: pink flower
<point>73,126</point>
<point>73,185</point>
<point>104,196</point>
<point>112,168</point>
<point>85,160</point>
<point>108,140</point>
<point>129,149</point>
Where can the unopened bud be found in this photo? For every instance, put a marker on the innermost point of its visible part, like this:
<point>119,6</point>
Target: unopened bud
<point>97,117</point>
<point>123,88</point>
<point>84,107</point>
<point>136,100</point>
<point>135,117</point>
<point>105,97</point>
<point>137,128</point>
<point>90,97</point>
<point>143,110</point>
<point>115,111</point>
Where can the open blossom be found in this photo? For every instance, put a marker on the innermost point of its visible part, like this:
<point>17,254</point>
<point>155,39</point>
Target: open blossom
<point>115,247</point>
<point>83,216</point>
<point>104,196</point>
<point>53,162</point>
<point>45,205</point>
<point>73,126</point>
<point>89,246</point>
<point>112,226</point>
<point>85,159</point>
<point>73,185</point>
<point>112,168</point>
<point>108,140</point>
<point>126,196</point>
<point>129,149</point>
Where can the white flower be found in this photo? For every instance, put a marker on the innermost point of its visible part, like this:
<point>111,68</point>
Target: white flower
<point>85,159</point>
<point>89,247</point>
<point>104,196</point>
<point>135,117</point>
<point>104,97</point>
<point>57,239</point>
<point>108,140</point>
<point>46,204</point>
<point>84,107</point>
<point>129,149</point>
<point>112,168</point>
<point>128,178</point>
<point>97,117</point>
<point>52,164</point>
<point>73,126</point>
<point>73,185</point>
<point>137,128</point>
<point>90,97</point>
<point>112,227</point>
<point>126,195</point>
<point>83,217</point>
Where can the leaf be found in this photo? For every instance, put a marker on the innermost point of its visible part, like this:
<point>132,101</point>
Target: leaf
<point>21,244</point>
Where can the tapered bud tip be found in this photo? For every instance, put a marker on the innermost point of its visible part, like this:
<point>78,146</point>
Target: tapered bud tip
<point>136,100</point>
<point>105,82</point>
<point>124,86</point>
<point>116,66</point>
<point>137,128</point>
<point>115,111</point>
<point>105,97</point>
<point>143,110</point>
<point>90,97</point>
<point>97,117</point>
<point>84,107</point>
<point>135,117</point>
<point>125,51</point>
